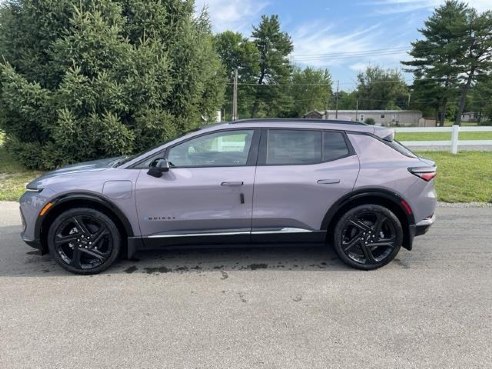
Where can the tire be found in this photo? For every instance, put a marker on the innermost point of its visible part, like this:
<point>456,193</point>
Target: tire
<point>368,237</point>
<point>84,241</point>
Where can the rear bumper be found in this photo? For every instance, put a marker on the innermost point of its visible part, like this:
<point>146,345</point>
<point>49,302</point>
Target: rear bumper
<point>423,226</point>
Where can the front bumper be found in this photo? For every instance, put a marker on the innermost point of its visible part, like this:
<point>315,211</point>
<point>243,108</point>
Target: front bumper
<point>33,243</point>
<point>24,234</point>
<point>31,204</point>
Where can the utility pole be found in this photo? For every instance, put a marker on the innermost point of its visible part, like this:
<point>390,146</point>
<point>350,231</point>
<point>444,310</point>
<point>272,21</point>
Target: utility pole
<point>234,97</point>
<point>357,110</point>
<point>336,101</point>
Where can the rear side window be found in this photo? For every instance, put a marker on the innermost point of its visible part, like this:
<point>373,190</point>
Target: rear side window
<point>334,146</point>
<point>293,147</point>
<point>296,147</point>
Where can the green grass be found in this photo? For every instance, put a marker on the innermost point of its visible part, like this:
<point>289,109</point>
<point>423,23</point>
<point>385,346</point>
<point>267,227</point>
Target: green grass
<point>13,176</point>
<point>442,136</point>
<point>465,177</point>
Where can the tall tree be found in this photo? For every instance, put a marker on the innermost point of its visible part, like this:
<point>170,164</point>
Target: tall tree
<point>274,46</point>
<point>81,80</point>
<point>378,88</point>
<point>310,90</point>
<point>346,100</point>
<point>455,51</point>
<point>480,99</point>
<point>238,53</point>
<point>476,63</point>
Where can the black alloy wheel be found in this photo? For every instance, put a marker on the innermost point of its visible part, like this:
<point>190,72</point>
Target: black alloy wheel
<point>84,241</point>
<point>368,237</point>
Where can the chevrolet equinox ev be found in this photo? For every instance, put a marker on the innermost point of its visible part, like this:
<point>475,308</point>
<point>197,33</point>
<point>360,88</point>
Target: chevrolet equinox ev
<point>344,184</point>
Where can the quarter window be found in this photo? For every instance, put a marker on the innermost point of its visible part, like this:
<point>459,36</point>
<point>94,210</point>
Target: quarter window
<point>219,149</point>
<point>334,146</point>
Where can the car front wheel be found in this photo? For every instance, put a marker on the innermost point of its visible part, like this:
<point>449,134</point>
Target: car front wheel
<point>368,237</point>
<point>84,241</point>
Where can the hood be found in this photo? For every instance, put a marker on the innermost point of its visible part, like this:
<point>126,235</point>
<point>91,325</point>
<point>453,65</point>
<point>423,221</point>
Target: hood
<point>87,166</point>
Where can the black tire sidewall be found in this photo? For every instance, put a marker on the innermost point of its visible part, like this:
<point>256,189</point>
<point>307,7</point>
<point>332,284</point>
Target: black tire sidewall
<point>113,229</point>
<point>337,239</point>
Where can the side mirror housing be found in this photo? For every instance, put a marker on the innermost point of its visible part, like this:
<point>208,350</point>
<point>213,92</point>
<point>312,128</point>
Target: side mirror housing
<point>158,167</point>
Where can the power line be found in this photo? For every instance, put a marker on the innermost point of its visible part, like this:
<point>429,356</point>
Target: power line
<point>328,84</point>
<point>356,52</point>
<point>342,56</point>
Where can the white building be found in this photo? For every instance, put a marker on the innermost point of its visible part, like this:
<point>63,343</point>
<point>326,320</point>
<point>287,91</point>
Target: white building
<point>384,117</point>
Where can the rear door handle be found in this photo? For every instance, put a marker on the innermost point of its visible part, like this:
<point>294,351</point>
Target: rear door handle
<point>328,181</point>
<point>232,184</point>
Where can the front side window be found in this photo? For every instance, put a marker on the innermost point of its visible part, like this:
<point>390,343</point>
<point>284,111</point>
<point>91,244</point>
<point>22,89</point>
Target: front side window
<point>293,147</point>
<point>229,148</point>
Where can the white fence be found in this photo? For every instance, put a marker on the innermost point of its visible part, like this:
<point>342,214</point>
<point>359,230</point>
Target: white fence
<point>454,143</point>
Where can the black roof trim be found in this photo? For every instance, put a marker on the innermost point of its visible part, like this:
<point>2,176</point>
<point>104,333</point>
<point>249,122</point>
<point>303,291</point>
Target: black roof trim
<point>296,120</point>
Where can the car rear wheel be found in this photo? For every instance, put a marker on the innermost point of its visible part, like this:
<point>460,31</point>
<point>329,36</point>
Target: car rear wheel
<point>84,241</point>
<point>368,237</point>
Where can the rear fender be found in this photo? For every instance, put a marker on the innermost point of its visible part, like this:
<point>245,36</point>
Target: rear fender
<point>392,200</point>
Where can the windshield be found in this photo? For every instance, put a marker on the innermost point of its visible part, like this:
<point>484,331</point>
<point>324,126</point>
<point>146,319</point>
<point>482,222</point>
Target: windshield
<point>126,159</point>
<point>129,158</point>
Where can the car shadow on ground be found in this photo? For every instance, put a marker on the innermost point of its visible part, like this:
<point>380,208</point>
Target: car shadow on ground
<point>200,259</point>
<point>18,259</point>
<point>289,258</point>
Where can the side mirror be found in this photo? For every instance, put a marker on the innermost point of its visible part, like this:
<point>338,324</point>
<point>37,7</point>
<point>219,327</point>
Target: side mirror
<point>158,167</point>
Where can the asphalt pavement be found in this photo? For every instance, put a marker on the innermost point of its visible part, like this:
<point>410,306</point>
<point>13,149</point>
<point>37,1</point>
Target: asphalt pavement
<point>254,308</point>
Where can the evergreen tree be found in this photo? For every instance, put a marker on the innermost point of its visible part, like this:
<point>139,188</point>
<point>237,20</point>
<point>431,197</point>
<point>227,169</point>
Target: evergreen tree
<point>82,80</point>
<point>455,51</point>
<point>476,63</point>
<point>480,99</point>
<point>274,46</point>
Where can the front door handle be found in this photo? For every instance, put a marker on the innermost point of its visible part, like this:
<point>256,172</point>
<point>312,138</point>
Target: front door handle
<point>328,181</point>
<point>232,184</point>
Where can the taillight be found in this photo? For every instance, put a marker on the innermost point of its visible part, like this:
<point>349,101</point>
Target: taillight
<point>425,173</point>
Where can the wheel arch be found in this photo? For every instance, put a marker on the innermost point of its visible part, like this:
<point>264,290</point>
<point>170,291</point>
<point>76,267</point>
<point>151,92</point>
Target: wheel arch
<point>87,200</point>
<point>391,200</point>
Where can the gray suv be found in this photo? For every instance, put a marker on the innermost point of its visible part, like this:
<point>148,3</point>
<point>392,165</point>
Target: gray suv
<point>248,182</point>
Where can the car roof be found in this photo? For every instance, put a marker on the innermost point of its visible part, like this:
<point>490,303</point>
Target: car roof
<point>296,120</point>
<point>295,123</point>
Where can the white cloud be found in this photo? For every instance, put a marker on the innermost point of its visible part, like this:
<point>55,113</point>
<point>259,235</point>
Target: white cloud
<point>325,46</point>
<point>320,45</point>
<point>234,15</point>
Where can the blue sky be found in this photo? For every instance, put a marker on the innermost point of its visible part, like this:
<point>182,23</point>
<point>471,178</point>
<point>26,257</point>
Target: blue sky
<point>343,36</point>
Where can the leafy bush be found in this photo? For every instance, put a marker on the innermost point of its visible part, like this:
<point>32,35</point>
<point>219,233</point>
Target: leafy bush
<point>370,121</point>
<point>83,80</point>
